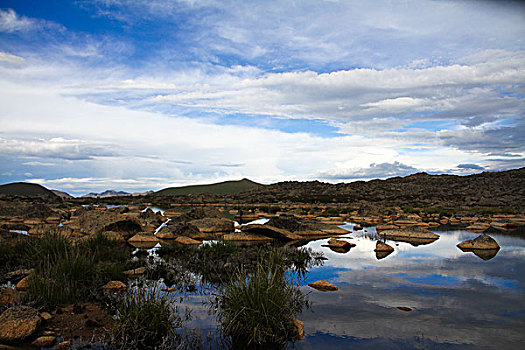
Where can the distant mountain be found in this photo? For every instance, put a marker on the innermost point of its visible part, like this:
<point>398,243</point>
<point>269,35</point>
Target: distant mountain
<point>62,194</point>
<point>227,187</point>
<point>108,193</point>
<point>25,189</point>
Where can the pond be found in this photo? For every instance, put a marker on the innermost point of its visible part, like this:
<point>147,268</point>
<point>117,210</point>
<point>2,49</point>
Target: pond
<point>457,300</point>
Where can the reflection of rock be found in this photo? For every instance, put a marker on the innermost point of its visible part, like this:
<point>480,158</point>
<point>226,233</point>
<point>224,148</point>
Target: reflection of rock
<point>480,242</point>
<point>414,235</point>
<point>382,255</point>
<point>323,286</point>
<point>485,254</point>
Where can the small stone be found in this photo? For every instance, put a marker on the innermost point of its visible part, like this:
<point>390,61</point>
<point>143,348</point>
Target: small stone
<point>323,286</point>
<point>383,247</point>
<point>136,272</point>
<point>46,316</point>
<point>169,290</point>
<point>404,308</point>
<point>44,342</point>
<point>65,345</point>
<point>23,284</point>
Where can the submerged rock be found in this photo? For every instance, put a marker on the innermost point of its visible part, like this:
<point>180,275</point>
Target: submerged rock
<point>18,323</point>
<point>323,286</point>
<point>480,242</point>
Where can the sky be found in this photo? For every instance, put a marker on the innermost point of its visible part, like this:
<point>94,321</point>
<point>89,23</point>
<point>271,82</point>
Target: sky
<point>145,94</point>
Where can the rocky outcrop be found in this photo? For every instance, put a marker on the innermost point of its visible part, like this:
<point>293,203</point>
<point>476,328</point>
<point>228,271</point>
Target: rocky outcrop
<point>479,243</point>
<point>91,221</point>
<point>18,323</point>
<point>323,286</point>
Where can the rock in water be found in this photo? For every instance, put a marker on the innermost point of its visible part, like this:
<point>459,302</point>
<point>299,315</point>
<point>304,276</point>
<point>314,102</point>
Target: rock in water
<point>480,242</point>
<point>383,247</point>
<point>323,286</point>
<point>18,323</point>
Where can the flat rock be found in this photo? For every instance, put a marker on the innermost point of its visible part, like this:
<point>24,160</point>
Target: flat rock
<point>177,229</point>
<point>65,345</point>
<point>114,285</point>
<point>44,342</point>
<point>480,242</point>
<point>187,241</point>
<point>323,286</point>
<point>18,323</point>
<point>413,232</point>
<point>143,238</point>
<point>243,236</point>
<point>404,308</point>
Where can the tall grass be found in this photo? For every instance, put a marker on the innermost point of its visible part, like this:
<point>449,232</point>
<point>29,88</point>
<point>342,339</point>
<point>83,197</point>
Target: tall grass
<point>145,319</point>
<point>257,308</point>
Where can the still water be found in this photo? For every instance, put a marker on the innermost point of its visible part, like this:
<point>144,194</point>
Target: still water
<point>457,299</point>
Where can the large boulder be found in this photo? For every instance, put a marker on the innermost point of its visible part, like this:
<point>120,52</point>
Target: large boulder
<point>213,225</point>
<point>480,242</point>
<point>18,323</point>
<point>179,229</point>
<point>92,221</point>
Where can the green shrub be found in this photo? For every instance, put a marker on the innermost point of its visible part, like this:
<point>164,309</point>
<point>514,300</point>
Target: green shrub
<point>145,319</point>
<point>257,308</point>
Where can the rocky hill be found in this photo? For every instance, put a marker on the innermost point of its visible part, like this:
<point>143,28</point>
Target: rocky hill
<point>222,188</point>
<point>488,190</point>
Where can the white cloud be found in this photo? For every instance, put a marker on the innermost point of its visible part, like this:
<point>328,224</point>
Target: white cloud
<point>11,22</point>
<point>11,61</point>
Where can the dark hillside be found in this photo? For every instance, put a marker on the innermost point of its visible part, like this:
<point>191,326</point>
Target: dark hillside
<point>227,187</point>
<point>25,189</point>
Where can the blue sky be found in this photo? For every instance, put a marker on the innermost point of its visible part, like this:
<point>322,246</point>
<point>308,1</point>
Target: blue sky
<point>139,95</point>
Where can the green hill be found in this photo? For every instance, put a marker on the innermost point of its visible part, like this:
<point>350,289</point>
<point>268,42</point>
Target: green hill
<point>25,189</point>
<point>227,187</point>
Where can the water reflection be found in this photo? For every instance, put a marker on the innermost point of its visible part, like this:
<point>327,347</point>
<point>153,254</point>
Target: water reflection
<point>459,300</point>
